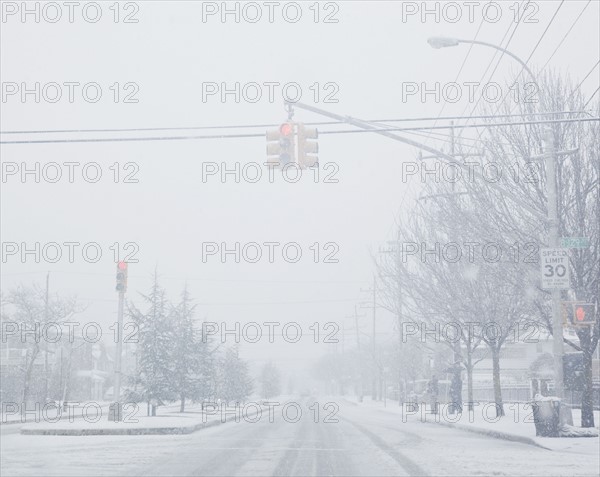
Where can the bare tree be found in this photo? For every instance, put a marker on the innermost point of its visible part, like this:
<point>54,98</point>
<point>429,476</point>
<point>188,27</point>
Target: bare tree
<point>577,173</point>
<point>32,310</point>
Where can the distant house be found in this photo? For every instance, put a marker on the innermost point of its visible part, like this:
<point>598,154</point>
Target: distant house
<point>518,381</point>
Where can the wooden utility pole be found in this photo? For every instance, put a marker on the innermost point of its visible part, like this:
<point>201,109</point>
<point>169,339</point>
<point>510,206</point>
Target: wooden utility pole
<point>46,316</point>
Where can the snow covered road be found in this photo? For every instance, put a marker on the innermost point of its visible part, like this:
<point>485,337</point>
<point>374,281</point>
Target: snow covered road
<point>365,442</point>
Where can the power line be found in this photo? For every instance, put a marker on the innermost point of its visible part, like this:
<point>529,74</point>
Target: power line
<point>541,37</point>
<point>586,77</point>
<point>526,61</point>
<point>167,277</point>
<point>494,57</point>
<point>592,96</point>
<point>251,126</point>
<point>566,34</point>
<point>501,56</point>
<point>341,131</point>
<point>572,94</point>
<point>460,69</point>
<point>251,303</point>
<point>447,137</point>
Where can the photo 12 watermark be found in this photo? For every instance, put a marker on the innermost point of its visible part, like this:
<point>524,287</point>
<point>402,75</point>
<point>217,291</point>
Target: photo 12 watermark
<point>270,12</point>
<point>269,331</point>
<point>69,12</point>
<point>54,92</point>
<point>271,252</point>
<point>254,172</point>
<point>68,252</point>
<point>269,92</point>
<point>468,11</point>
<point>69,172</point>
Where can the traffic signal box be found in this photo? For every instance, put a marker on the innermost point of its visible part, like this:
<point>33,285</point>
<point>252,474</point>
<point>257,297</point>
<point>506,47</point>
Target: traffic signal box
<point>121,277</point>
<point>579,314</point>
<point>281,147</point>
<point>292,143</point>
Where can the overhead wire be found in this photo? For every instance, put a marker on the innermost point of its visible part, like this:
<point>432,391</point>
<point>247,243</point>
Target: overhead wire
<point>255,126</point>
<point>480,133</point>
<point>566,34</point>
<point>256,135</point>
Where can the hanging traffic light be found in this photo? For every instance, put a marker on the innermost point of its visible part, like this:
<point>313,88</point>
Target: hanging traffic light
<point>280,145</point>
<point>582,314</point>
<point>307,148</point>
<point>121,277</point>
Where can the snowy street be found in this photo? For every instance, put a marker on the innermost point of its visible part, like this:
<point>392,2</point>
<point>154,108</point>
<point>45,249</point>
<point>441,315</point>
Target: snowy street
<point>365,442</point>
<point>300,238</point>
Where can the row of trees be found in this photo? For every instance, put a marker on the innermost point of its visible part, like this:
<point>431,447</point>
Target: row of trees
<point>501,294</point>
<point>471,291</point>
<point>174,361</point>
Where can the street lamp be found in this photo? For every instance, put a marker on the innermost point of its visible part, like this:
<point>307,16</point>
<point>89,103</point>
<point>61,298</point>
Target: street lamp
<point>438,42</point>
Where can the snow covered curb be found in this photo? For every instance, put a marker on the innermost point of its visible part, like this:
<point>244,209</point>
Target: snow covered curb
<point>495,434</point>
<point>110,428</point>
<point>115,431</point>
<point>517,428</point>
<point>478,430</point>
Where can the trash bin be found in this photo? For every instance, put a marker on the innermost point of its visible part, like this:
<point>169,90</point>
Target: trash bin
<point>115,412</point>
<point>546,417</point>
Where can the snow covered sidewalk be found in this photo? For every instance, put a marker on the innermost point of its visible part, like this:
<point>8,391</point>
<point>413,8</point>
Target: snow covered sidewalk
<point>517,425</point>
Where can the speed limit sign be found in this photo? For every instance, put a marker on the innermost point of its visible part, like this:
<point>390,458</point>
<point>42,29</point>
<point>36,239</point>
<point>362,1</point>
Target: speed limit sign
<point>555,268</point>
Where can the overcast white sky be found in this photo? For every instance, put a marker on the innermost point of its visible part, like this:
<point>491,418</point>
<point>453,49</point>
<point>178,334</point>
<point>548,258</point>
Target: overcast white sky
<point>169,53</point>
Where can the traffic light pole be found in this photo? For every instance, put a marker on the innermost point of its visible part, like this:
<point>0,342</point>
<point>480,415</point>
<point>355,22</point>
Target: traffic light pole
<point>557,324</point>
<point>117,385</point>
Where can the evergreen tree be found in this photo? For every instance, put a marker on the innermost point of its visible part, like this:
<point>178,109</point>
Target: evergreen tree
<point>153,382</point>
<point>190,361</point>
<point>235,383</point>
<point>270,380</point>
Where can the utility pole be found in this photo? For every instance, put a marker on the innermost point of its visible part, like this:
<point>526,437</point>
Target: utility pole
<point>343,339</point>
<point>401,381</point>
<point>374,343</point>
<point>396,276</point>
<point>117,392</point>
<point>557,325</point>
<point>46,315</point>
<point>356,325</point>
<point>375,371</point>
<point>359,386</point>
<point>456,405</point>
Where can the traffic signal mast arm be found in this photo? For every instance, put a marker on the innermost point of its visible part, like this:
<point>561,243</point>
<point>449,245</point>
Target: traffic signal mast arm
<point>369,126</point>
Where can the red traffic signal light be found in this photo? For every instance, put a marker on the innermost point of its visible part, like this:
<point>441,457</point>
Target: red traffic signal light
<point>122,265</point>
<point>582,314</point>
<point>286,129</point>
<point>281,146</point>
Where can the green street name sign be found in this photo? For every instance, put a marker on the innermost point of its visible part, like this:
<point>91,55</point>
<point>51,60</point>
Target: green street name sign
<point>574,242</point>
